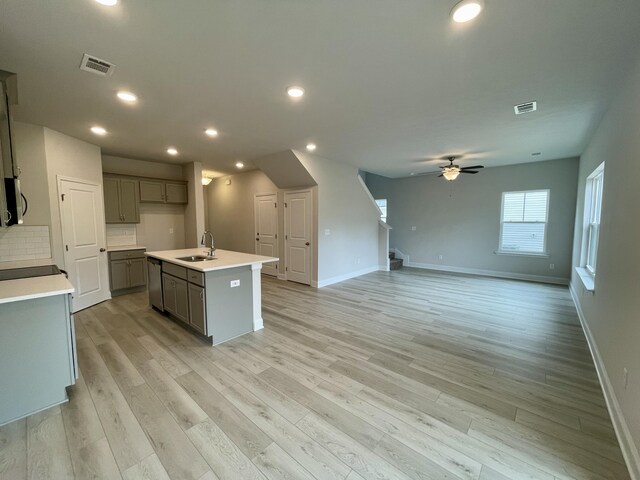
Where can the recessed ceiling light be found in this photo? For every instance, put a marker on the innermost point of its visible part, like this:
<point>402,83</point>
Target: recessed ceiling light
<point>239,165</point>
<point>311,147</point>
<point>127,96</point>
<point>467,10</point>
<point>98,130</point>
<point>108,3</point>
<point>211,132</point>
<point>172,151</point>
<point>295,91</point>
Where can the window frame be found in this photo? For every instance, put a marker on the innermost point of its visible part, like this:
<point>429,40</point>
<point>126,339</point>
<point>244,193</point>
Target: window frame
<point>544,252</point>
<point>383,216</point>
<point>594,190</point>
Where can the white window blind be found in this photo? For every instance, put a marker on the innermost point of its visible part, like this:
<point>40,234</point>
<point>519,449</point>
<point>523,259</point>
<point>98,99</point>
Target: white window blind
<point>523,226</point>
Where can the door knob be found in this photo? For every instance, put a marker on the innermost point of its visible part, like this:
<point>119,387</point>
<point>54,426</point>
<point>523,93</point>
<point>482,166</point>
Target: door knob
<point>257,239</point>
<point>103,249</point>
<point>307,244</point>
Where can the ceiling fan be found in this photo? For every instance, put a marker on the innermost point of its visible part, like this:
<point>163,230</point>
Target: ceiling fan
<point>450,172</point>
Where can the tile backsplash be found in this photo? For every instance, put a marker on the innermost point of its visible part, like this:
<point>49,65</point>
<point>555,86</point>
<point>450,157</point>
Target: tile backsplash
<point>119,235</point>
<point>24,243</point>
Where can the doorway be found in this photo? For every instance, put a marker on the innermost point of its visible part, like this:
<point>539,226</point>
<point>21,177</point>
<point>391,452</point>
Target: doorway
<point>266,229</point>
<point>297,239</point>
<point>83,237</point>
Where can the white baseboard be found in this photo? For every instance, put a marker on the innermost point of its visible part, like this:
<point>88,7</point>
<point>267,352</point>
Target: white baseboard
<point>629,449</point>
<point>490,273</point>
<point>383,268</point>
<point>342,278</point>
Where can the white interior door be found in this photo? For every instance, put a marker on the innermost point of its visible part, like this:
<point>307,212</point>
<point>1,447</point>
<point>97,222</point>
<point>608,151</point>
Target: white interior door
<point>297,226</point>
<point>83,237</point>
<point>266,230</point>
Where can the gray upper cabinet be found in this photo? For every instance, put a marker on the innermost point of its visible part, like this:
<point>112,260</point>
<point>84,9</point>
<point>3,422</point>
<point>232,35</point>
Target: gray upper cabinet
<point>121,200</point>
<point>151,191</point>
<point>159,191</point>
<point>176,193</point>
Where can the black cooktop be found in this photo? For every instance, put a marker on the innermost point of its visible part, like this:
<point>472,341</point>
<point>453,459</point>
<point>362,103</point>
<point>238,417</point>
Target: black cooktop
<point>28,272</point>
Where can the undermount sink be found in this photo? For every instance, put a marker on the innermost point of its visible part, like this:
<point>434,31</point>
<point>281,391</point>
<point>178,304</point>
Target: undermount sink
<point>196,258</point>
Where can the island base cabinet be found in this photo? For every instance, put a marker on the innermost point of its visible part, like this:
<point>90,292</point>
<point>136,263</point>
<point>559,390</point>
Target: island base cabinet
<point>175,296</point>
<point>37,353</point>
<point>197,309</point>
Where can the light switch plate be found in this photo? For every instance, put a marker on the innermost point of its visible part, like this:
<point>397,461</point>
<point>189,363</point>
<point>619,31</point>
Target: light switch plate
<point>327,231</point>
<point>234,283</point>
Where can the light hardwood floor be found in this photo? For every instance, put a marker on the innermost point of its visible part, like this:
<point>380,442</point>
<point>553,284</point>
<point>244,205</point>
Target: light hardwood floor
<point>399,375</point>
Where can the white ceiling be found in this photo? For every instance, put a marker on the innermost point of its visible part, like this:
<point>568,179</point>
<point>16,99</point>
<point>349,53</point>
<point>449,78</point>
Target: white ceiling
<point>390,84</point>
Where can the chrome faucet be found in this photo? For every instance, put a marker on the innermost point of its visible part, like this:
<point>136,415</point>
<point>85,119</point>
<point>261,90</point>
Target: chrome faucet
<point>212,248</point>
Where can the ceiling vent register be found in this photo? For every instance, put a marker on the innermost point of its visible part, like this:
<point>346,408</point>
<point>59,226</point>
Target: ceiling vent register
<point>95,65</point>
<point>526,108</point>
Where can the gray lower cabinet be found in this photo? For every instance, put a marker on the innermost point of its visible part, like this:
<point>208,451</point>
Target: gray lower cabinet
<point>197,308</point>
<point>176,297</point>
<point>127,269</point>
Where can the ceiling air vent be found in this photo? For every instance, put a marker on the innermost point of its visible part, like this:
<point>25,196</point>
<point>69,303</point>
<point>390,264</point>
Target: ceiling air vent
<point>526,108</point>
<point>95,65</point>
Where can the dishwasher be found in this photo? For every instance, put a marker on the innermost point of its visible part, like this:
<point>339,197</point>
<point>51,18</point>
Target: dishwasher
<point>154,270</point>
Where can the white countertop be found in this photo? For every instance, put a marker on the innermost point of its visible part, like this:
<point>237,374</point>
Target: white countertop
<point>26,263</point>
<point>224,259</point>
<point>123,248</point>
<point>34,287</point>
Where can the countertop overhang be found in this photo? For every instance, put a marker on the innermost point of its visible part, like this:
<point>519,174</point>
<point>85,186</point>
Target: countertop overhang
<point>224,259</point>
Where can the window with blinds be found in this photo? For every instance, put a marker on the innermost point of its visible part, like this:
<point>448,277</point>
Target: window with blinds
<point>523,223</point>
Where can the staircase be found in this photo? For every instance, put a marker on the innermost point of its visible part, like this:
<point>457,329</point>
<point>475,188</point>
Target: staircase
<point>394,263</point>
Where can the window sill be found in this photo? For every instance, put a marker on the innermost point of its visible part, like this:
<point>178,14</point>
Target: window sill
<point>587,279</point>
<point>521,254</point>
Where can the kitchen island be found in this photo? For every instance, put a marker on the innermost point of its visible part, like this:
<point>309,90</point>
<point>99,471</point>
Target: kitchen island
<point>37,343</point>
<point>218,297</point>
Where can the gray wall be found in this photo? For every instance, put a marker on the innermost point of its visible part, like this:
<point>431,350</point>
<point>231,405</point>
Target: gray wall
<point>460,220</point>
<point>612,312</point>
<point>72,158</point>
<point>345,208</point>
<point>157,221</point>
<point>230,209</point>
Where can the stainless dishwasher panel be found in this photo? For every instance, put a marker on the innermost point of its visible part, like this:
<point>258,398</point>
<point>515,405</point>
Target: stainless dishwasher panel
<point>154,270</point>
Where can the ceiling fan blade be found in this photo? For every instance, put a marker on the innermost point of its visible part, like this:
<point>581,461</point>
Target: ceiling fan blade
<point>444,166</point>
<point>468,171</point>
<point>441,175</point>
<point>472,168</point>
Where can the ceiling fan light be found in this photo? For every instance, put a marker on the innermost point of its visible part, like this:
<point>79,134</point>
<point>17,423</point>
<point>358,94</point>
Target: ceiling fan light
<point>451,174</point>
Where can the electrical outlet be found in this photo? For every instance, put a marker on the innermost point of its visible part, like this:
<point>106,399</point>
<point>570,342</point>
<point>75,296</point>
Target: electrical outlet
<point>440,257</point>
<point>234,283</point>
<point>170,230</point>
<point>327,231</point>
<point>413,228</point>
<point>552,266</point>
<point>625,378</point>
